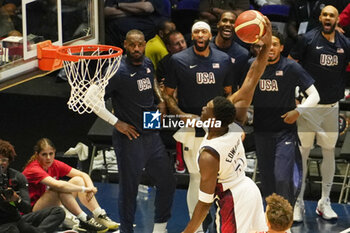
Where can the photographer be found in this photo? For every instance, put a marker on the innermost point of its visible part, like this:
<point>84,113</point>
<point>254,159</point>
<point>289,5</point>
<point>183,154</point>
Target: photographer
<point>14,201</point>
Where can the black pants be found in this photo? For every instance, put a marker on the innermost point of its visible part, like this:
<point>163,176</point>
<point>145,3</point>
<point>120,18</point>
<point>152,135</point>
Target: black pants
<point>147,151</point>
<point>41,221</point>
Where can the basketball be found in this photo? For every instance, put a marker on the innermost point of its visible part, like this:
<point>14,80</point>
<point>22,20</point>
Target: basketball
<point>248,25</point>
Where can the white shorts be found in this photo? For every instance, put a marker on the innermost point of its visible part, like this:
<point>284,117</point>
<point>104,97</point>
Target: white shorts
<point>240,208</point>
<point>321,121</point>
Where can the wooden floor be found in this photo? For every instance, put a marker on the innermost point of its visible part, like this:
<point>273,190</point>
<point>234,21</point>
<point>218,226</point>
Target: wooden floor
<point>108,196</point>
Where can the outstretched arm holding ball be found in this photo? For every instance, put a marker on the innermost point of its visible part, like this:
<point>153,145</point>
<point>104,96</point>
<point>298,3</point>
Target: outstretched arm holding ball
<point>243,97</point>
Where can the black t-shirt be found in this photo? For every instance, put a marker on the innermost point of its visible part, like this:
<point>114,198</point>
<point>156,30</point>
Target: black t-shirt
<point>131,90</point>
<point>275,94</point>
<point>325,61</point>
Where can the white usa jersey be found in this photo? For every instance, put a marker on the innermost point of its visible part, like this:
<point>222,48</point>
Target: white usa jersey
<point>229,148</point>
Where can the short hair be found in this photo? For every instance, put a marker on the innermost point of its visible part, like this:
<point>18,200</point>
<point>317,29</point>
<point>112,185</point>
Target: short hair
<point>224,110</point>
<point>280,212</point>
<point>279,35</point>
<point>162,25</point>
<point>132,32</point>
<point>7,150</point>
<point>167,37</point>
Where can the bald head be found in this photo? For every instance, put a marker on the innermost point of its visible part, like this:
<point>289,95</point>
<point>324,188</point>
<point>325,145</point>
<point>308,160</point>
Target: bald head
<point>329,19</point>
<point>330,9</point>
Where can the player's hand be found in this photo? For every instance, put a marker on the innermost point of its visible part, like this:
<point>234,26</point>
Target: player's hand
<point>90,193</point>
<point>290,117</point>
<point>267,37</point>
<point>128,130</point>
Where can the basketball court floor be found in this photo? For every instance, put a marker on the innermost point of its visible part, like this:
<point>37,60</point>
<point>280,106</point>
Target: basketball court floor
<point>108,198</point>
<point>41,104</point>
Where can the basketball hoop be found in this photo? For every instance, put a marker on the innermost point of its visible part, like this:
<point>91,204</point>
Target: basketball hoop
<point>78,63</point>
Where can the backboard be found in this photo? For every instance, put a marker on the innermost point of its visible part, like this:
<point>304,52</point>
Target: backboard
<point>64,22</point>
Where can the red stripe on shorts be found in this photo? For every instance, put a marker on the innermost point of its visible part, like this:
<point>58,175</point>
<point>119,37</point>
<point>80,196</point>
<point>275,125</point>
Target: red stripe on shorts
<point>226,213</point>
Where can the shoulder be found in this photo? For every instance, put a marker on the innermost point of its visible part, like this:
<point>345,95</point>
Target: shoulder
<point>14,173</point>
<point>183,55</point>
<point>216,53</point>
<point>311,35</point>
<point>239,48</point>
<point>344,41</point>
<point>147,63</point>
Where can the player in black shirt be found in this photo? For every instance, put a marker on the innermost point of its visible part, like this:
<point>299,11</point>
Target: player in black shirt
<point>324,53</point>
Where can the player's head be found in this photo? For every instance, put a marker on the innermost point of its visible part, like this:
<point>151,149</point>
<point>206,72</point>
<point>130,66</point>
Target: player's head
<point>329,19</point>
<point>279,213</point>
<point>256,48</point>
<point>221,109</point>
<point>44,152</point>
<point>134,45</point>
<point>7,154</point>
<point>226,25</point>
<point>175,42</point>
<point>164,27</point>
<point>277,47</point>
<point>201,35</point>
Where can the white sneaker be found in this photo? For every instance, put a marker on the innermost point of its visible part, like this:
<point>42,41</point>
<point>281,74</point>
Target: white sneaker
<point>299,211</point>
<point>325,210</point>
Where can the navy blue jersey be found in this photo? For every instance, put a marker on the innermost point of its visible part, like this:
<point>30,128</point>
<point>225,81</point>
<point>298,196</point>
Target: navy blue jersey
<point>198,79</point>
<point>325,61</point>
<point>131,90</point>
<point>239,56</point>
<point>275,94</point>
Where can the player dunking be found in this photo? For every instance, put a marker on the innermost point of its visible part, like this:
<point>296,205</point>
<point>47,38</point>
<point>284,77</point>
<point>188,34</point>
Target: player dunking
<point>241,99</point>
<point>199,73</point>
<point>221,162</point>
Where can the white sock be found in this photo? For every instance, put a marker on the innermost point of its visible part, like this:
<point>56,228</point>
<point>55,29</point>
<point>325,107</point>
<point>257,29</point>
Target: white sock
<point>159,227</point>
<point>82,216</point>
<point>98,211</point>
<point>327,172</point>
<point>305,152</point>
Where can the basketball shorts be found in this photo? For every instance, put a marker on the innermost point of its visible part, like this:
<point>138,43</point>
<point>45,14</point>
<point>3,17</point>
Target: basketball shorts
<point>240,208</point>
<point>320,122</point>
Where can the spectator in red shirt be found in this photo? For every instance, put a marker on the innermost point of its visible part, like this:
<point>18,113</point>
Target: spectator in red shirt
<point>43,173</point>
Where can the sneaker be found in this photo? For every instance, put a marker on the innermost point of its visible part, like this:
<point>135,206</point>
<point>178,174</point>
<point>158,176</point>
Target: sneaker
<point>299,211</point>
<point>107,222</point>
<point>180,167</point>
<point>90,225</point>
<point>325,210</point>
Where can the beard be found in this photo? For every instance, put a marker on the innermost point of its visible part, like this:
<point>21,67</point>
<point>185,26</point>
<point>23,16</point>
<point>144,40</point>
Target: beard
<point>330,31</point>
<point>273,58</point>
<point>201,49</point>
<point>135,57</point>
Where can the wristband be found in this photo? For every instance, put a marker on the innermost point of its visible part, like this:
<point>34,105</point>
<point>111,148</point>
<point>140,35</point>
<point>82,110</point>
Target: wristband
<point>205,197</point>
<point>83,189</point>
<point>117,5</point>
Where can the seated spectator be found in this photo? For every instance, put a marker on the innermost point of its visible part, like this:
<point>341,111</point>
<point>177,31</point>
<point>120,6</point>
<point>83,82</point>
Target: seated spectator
<point>125,15</point>
<point>14,200</point>
<point>43,173</point>
<point>155,47</point>
<point>279,214</point>
<point>211,10</point>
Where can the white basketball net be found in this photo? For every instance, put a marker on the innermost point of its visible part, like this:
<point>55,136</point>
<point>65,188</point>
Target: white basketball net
<point>82,80</point>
